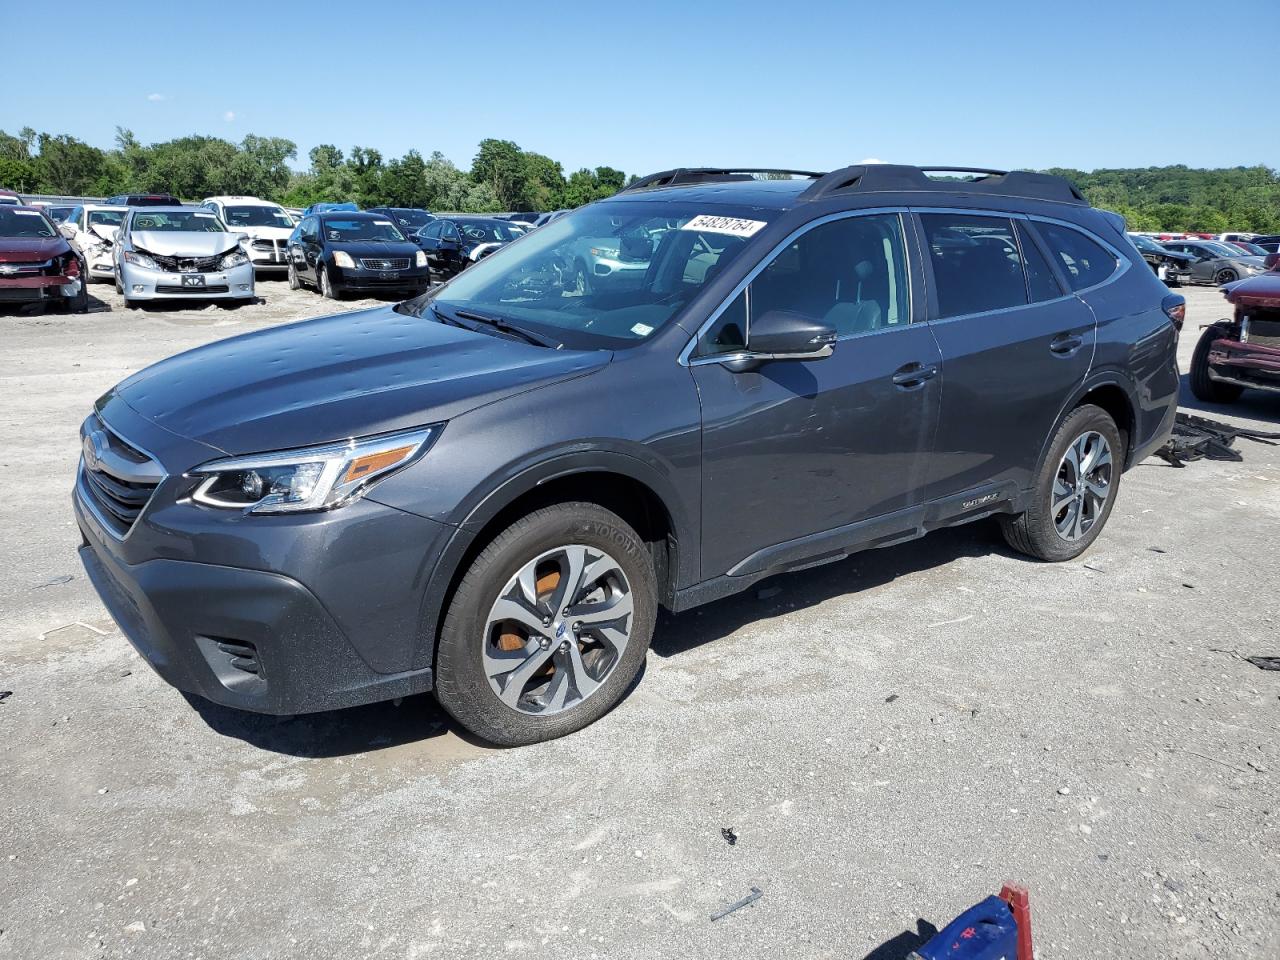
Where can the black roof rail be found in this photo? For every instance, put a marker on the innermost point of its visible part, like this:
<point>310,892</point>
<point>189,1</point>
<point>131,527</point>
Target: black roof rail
<point>891,177</point>
<point>686,175</point>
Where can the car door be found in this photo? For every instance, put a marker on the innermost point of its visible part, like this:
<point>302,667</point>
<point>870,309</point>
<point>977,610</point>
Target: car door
<point>1202,264</point>
<point>1015,343</point>
<point>429,241</point>
<point>798,455</point>
<point>450,249</point>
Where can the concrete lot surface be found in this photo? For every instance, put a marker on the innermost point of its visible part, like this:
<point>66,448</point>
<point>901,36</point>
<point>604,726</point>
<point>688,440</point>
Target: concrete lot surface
<point>891,738</point>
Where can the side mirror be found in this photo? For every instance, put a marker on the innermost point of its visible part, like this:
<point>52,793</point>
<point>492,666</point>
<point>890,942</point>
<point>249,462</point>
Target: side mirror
<point>784,335</point>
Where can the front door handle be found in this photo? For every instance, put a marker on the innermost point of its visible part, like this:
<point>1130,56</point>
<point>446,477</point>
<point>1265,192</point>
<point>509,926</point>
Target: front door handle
<point>913,374</point>
<point>1065,344</point>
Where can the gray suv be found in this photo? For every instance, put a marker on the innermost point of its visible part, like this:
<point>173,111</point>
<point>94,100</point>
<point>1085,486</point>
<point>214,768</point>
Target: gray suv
<point>488,491</point>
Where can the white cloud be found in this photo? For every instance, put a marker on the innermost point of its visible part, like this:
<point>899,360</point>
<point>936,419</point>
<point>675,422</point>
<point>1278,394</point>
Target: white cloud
<point>870,160</point>
<point>229,116</point>
<point>156,97</point>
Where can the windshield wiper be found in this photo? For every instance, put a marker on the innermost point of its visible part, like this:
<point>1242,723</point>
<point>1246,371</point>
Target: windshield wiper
<point>528,336</point>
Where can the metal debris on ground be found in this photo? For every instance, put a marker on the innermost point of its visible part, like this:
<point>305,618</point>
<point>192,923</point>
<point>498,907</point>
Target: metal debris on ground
<point>755,894</point>
<point>1265,663</point>
<point>65,578</point>
<point>730,835</point>
<point>5,695</point>
<point>1196,437</point>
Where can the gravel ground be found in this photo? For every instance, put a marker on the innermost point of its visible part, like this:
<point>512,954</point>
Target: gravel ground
<point>890,737</point>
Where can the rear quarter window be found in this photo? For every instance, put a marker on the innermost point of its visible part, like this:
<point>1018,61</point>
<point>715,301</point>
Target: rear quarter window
<point>1085,261</point>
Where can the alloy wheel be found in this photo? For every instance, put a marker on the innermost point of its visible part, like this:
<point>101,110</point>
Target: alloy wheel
<point>557,630</point>
<point>1081,486</point>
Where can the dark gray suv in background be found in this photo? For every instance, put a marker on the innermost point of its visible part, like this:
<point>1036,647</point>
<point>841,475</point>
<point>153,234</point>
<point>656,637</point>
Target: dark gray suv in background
<point>489,490</point>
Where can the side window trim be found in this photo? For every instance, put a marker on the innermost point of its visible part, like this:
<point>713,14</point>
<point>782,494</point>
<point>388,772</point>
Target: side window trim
<point>1031,219</point>
<point>686,357</point>
<point>1022,228</point>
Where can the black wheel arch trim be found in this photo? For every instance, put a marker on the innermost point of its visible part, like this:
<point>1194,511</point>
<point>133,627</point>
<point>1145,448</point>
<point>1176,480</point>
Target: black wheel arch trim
<point>1105,377</point>
<point>523,477</point>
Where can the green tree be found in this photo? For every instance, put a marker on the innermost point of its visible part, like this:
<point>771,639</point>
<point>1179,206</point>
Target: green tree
<point>67,165</point>
<point>500,165</point>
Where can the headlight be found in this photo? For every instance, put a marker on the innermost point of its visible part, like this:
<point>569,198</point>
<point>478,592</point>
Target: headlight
<point>139,260</point>
<point>420,258</point>
<point>311,478</point>
<point>233,259</point>
<point>343,259</point>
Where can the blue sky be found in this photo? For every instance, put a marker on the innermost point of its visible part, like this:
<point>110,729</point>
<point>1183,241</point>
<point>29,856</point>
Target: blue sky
<point>644,86</point>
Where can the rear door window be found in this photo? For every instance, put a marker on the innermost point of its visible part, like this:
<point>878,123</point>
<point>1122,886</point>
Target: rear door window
<point>1041,283</point>
<point>977,266</point>
<point>1085,262</point>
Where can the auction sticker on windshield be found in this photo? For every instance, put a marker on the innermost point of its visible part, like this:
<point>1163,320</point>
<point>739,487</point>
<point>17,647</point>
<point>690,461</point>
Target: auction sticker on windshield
<point>734,226</point>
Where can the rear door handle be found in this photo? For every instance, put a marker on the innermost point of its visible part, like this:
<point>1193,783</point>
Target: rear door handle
<point>914,374</point>
<point>1065,344</point>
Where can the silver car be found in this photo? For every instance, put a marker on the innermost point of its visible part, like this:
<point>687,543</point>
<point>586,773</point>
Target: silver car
<point>180,253</point>
<point>1217,262</point>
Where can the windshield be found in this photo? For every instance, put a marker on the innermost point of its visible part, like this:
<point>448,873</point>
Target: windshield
<point>105,218</point>
<point>1147,244</point>
<point>487,231</point>
<point>178,221</point>
<point>257,216</point>
<point>609,275</point>
<point>24,223</point>
<point>346,231</point>
<point>410,220</point>
<point>1221,250</point>
<point>1251,248</point>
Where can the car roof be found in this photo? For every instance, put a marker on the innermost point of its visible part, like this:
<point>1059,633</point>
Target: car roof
<point>120,208</point>
<point>348,215</point>
<point>147,211</point>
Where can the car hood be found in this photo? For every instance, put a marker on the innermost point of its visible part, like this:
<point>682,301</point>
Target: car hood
<point>1260,291</point>
<point>104,232</point>
<point>374,248</point>
<point>350,375</point>
<point>180,243</point>
<point>31,249</point>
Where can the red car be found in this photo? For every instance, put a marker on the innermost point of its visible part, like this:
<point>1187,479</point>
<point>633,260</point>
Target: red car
<point>1243,352</point>
<point>37,265</point>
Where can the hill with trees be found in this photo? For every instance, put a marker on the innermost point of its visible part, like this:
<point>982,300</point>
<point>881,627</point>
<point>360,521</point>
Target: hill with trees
<point>502,176</point>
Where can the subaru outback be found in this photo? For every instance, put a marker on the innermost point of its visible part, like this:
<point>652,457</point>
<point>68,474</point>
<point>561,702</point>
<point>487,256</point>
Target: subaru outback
<point>488,491</point>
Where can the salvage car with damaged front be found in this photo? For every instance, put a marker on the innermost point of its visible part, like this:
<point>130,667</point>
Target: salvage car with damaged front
<point>180,253</point>
<point>1242,353</point>
<point>489,491</point>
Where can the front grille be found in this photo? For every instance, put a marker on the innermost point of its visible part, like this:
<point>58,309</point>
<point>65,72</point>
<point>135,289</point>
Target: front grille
<point>192,291</point>
<point>118,479</point>
<point>383,263</point>
<point>44,268</point>
<point>1263,333</point>
<point>187,264</point>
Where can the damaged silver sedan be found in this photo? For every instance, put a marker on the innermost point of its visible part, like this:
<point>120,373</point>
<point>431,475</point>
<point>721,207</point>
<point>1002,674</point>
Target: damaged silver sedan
<point>175,253</point>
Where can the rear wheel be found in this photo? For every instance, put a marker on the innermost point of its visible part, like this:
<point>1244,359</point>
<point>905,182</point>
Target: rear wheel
<point>549,626</point>
<point>1225,276</point>
<point>294,282</point>
<point>1074,491</point>
<point>1203,386</point>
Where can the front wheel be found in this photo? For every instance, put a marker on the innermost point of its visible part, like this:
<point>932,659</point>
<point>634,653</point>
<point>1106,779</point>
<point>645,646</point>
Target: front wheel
<point>1074,490</point>
<point>294,282</point>
<point>549,626</point>
<point>326,285</point>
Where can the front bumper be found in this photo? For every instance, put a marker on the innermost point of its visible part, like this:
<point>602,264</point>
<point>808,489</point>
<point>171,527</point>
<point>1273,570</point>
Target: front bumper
<point>1245,365</point>
<point>280,614</point>
<point>361,280</point>
<point>143,283</point>
<point>38,289</point>
<point>268,254</point>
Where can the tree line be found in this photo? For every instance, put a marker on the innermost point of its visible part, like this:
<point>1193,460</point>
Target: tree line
<point>502,176</point>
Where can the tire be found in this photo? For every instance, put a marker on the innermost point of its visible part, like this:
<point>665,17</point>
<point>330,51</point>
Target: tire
<point>294,282</point>
<point>474,643</point>
<point>326,285</point>
<point>1203,387</point>
<point>1037,532</point>
<point>1225,276</point>
<point>80,302</point>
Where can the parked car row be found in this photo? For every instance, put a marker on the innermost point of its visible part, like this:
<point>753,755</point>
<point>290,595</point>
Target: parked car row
<point>1204,261</point>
